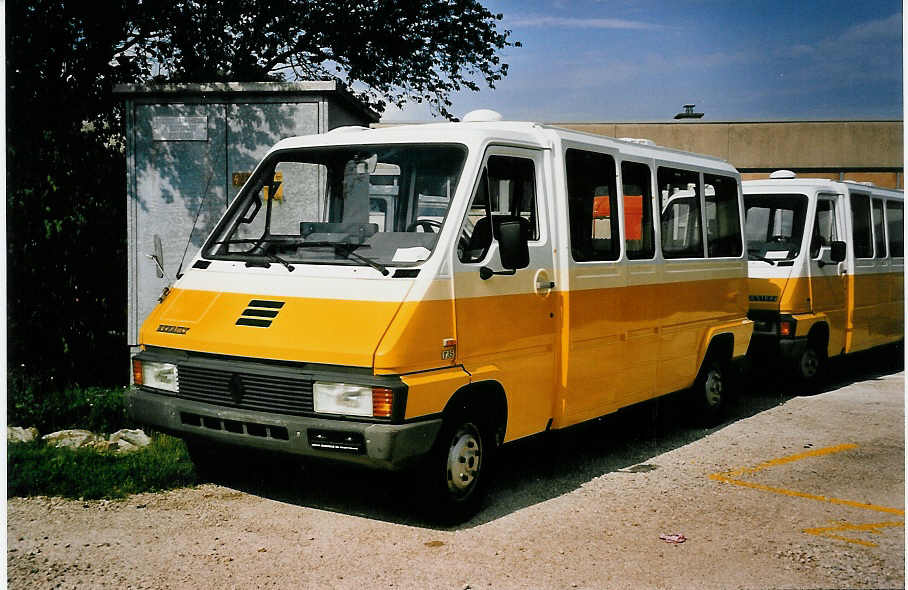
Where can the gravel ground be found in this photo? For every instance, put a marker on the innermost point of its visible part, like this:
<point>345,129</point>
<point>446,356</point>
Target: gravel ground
<point>580,510</point>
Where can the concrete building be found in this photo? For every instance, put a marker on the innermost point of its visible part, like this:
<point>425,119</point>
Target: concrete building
<point>190,147</point>
<point>840,150</point>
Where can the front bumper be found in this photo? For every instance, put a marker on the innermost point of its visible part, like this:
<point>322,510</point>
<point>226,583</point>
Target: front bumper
<point>383,446</point>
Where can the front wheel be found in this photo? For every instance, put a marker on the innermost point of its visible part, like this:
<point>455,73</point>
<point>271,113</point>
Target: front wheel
<point>458,468</point>
<point>809,365</point>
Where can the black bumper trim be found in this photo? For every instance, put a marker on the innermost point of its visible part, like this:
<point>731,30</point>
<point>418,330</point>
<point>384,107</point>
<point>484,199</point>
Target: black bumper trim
<point>772,346</point>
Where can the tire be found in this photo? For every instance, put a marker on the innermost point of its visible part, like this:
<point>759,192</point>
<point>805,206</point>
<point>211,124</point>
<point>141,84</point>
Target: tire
<point>457,470</point>
<point>810,364</point>
<point>709,395</point>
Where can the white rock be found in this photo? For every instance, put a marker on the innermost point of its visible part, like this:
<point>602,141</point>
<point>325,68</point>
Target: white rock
<point>17,434</point>
<point>127,440</point>
<point>101,445</point>
<point>73,439</point>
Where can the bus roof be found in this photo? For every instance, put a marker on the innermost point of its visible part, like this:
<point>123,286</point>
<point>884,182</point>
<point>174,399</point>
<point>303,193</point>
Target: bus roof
<point>520,133</point>
<point>818,184</point>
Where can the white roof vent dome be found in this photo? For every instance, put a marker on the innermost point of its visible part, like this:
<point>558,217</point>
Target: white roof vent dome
<point>783,174</point>
<point>482,116</point>
<point>349,129</point>
<point>638,140</point>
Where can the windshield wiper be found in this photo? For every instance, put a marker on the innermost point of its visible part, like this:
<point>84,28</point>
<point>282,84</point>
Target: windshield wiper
<point>763,258</point>
<point>261,240</point>
<point>348,252</point>
<point>270,258</point>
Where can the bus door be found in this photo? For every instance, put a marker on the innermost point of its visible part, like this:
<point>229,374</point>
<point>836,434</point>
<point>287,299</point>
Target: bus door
<point>828,280</point>
<point>506,323</point>
<point>864,297</point>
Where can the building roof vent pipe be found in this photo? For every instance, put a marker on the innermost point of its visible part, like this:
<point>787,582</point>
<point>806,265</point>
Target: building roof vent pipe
<point>688,113</point>
<point>482,116</point>
<point>783,174</point>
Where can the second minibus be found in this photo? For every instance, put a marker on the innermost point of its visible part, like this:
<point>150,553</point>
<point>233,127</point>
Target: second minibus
<point>826,268</point>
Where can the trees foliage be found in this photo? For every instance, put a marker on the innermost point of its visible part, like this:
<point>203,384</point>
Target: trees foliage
<point>65,163</point>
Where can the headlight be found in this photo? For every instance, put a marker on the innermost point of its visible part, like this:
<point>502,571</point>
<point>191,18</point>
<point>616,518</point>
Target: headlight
<point>342,398</point>
<point>156,375</point>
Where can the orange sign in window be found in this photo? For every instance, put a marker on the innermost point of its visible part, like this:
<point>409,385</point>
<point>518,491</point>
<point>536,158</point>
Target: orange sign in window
<point>633,214</point>
<point>633,217</point>
<point>279,182</point>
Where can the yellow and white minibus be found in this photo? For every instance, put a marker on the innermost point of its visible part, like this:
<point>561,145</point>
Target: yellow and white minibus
<point>420,295</point>
<point>826,268</point>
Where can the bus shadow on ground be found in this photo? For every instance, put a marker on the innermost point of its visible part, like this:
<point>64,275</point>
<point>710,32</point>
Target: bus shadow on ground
<point>544,467</point>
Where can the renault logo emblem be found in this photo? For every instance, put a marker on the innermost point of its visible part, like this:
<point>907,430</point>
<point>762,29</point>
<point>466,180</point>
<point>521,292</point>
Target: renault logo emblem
<point>236,389</point>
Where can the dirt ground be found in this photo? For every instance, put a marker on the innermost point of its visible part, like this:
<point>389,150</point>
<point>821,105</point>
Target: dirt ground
<point>792,491</point>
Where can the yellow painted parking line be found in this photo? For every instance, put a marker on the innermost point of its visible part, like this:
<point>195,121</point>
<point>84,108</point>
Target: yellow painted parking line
<point>730,477</point>
<point>796,494</point>
<point>873,528</point>
<point>791,459</point>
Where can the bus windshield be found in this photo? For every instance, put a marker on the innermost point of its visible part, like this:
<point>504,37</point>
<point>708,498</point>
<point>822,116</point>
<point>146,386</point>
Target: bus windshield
<point>352,205</point>
<point>774,226</point>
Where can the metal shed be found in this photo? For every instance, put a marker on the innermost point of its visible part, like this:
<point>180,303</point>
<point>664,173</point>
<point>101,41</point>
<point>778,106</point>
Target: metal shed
<point>190,147</point>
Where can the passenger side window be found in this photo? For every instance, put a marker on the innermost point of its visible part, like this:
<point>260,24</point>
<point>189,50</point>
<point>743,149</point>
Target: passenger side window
<point>860,226</point>
<point>879,229</point>
<point>506,191</point>
<point>592,205</point>
<point>639,237</point>
<point>824,228</point>
<point>896,229</point>
<point>723,223</point>
<point>679,199</point>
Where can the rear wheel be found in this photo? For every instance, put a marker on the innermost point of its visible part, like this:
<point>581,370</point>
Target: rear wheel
<point>709,394</point>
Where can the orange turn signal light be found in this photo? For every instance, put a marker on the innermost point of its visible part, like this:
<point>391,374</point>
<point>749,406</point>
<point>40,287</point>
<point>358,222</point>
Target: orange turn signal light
<point>785,329</point>
<point>382,400</point>
<point>137,376</point>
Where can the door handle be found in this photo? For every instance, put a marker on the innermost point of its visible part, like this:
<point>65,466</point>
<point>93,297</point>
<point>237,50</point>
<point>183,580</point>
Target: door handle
<point>541,283</point>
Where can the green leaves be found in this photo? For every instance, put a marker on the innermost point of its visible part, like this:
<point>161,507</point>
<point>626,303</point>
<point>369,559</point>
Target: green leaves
<point>48,407</point>
<point>66,168</point>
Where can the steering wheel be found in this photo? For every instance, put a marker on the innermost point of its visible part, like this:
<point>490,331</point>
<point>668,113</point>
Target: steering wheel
<point>428,225</point>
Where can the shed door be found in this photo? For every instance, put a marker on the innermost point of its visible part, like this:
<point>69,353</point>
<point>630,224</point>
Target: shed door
<point>180,158</point>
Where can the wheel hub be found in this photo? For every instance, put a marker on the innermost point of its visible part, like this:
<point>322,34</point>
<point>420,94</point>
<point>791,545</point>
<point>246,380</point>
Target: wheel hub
<point>713,388</point>
<point>464,459</point>
<point>810,362</point>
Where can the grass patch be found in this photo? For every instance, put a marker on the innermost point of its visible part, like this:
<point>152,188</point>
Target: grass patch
<point>37,469</point>
<point>31,402</point>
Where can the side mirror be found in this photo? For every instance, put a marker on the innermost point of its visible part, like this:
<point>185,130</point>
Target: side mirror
<point>834,254</point>
<point>158,256</point>
<point>513,245</point>
<point>513,249</point>
<point>837,251</point>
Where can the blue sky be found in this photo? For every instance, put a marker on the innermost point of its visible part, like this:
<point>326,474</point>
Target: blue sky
<point>640,60</point>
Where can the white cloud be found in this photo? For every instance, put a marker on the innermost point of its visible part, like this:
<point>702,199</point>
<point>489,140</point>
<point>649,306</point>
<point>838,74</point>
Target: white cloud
<point>536,20</point>
<point>861,53</point>
<point>875,30</point>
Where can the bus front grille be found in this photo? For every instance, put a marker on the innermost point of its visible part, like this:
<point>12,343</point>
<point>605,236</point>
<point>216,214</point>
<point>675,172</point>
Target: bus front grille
<point>247,391</point>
